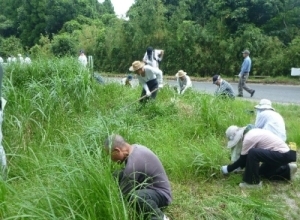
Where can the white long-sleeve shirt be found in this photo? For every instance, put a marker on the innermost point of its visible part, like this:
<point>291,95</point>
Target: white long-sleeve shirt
<point>183,84</point>
<point>83,59</point>
<point>153,61</point>
<point>272,121</point>
<point>150,73</point>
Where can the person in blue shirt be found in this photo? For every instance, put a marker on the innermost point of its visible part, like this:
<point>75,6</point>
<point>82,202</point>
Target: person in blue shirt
<point>244,74</point>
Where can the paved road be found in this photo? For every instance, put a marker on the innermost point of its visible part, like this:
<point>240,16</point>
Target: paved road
<point>276,93</point>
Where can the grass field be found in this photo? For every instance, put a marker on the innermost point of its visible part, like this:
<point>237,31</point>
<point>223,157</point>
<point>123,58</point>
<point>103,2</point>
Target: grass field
<point>57,118</point>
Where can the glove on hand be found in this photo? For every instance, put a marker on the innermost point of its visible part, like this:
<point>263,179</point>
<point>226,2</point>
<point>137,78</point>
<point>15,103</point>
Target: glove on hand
<point>224,170</point>
<point>160,86</point>
<point>148,93</point>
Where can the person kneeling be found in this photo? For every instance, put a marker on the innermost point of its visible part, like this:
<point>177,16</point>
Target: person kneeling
<point>260,146</point>
<point>143,181</point>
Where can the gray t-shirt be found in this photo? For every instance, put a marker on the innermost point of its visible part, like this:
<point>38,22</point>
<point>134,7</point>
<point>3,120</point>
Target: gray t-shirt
<point>143,169</point>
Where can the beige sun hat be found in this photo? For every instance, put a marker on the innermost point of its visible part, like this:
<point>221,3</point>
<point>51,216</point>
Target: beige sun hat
<point>264,104</point>
<point>180,73</point>
<point>136,65</point>
<point>234,135</point>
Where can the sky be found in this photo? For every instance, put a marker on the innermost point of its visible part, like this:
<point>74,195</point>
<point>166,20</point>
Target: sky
<point>121,6</point>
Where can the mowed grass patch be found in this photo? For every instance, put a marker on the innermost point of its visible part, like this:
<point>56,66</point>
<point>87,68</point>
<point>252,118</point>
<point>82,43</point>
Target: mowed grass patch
<point>55,124</point>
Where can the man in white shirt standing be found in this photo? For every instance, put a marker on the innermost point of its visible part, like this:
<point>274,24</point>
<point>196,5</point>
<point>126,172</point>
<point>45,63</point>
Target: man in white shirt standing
<point>82,59</point>
<point>268,119</point>
<point>152,57</point>
<point>184,82</point>
<point>149,77</point>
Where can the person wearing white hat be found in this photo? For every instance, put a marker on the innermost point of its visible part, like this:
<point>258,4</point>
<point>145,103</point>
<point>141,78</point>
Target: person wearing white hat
<point>260,147</point>
<point>244,74</point>
<point>267,118</point>
<point>149,77</point>
<point>184,82</point>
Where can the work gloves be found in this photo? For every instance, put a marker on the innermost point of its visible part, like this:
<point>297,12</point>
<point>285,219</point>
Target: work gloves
<point>148,93</point>
<point>224,170</point>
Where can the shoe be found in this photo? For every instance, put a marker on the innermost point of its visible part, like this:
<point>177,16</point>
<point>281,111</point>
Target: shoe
<point>166,218</point>
<point>244,185</point>
<point>239,95</point>
<point>293,169</point>
<point>252,93</point>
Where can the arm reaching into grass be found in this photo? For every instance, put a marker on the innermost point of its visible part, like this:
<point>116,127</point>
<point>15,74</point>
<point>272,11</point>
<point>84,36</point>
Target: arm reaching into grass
<point>241,162</point>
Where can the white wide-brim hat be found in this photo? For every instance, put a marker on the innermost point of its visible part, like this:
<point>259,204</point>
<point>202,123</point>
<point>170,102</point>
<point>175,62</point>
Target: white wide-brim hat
<point>234,134</point>
<point>264,104</point>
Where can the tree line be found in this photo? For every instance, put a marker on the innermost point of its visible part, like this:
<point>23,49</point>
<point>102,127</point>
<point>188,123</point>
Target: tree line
<point>202,37</point>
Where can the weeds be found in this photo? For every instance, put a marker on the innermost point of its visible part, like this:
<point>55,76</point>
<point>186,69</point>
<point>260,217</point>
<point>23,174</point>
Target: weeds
<point>56,120</point>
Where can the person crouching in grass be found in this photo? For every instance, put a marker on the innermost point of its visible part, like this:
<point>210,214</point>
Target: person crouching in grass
<point>263,154</point>
<point>224,88</point>
<point>143,181</point>
<point>150,78</point>
<point>184,82</point>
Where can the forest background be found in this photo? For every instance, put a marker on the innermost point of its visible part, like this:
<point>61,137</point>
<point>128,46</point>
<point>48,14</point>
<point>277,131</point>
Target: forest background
<point>202,37</point>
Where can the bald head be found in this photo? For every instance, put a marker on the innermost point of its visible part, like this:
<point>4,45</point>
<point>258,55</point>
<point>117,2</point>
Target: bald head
<point>114,141</point>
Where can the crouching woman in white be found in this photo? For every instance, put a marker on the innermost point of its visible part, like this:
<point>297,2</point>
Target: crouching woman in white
<point>184,82</point>
<point>260,147</point>
<point>149,77</point>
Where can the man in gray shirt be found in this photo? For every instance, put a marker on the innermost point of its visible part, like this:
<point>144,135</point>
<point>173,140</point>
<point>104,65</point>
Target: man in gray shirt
<point>143,181</point>
<point>224,88</point>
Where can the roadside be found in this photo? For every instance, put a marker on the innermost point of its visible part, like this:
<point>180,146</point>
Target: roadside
<point>276,80</point>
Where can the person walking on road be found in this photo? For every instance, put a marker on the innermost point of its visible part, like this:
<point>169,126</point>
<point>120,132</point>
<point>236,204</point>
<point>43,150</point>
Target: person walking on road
<point>244,74</point>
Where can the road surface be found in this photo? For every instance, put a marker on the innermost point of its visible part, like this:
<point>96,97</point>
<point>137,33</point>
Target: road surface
<point>288,94</point>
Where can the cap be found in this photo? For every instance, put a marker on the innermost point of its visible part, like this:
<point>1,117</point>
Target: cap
<point>246,51</point>
<point>215,78</point>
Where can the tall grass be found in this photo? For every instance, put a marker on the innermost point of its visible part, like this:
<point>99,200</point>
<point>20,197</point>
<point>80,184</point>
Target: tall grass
<point>56,120</point>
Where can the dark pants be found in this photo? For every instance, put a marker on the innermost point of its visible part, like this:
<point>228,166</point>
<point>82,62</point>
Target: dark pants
<point>274,165</point>
<point>152,85</point>
<point>148,203</point>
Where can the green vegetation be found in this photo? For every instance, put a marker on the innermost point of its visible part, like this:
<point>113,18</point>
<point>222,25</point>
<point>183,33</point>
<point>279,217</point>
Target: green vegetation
<point>56,120</point>
<point>201,37</point>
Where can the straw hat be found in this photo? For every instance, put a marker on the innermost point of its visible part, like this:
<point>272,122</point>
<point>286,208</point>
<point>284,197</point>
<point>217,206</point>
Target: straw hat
<point>234,135</point>
<point>136,65</point>
<point>180,73</point>
<point>264,104</point>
